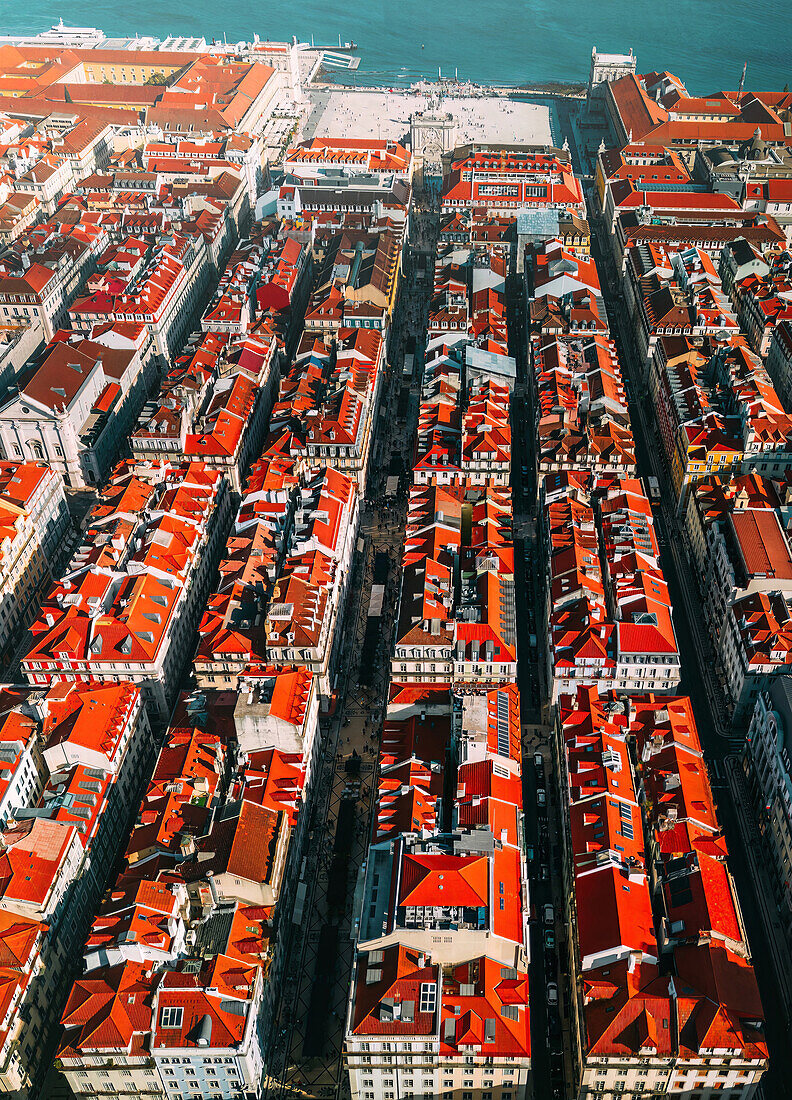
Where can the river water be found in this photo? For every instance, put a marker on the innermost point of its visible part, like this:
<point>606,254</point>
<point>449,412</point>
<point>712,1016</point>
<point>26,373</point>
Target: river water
<point>705,42</point>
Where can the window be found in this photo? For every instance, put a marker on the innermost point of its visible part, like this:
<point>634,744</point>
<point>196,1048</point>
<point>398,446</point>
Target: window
<point>171,1017</point>
<point>428,997</point>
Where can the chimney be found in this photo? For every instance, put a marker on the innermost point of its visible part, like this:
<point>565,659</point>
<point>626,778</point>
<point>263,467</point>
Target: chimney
<point>213,887</point>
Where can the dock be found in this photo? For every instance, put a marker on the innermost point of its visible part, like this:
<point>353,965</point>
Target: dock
<point>332,59</point>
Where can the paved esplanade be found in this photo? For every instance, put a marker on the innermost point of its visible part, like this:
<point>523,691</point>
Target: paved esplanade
<point>384,114</point>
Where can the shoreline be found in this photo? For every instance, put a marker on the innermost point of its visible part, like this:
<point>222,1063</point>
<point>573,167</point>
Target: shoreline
<point>572,89</point>
<point>350,79</point>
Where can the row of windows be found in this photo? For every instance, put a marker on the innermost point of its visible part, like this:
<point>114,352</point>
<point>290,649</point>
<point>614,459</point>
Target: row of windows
<point>194,1085</point>
<point>448,1094</point>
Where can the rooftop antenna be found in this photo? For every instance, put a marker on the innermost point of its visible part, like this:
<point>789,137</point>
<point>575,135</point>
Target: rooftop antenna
<point>742,81</point>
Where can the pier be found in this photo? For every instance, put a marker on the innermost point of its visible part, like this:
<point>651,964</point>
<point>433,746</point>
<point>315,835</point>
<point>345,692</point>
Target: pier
<point>332,59</point>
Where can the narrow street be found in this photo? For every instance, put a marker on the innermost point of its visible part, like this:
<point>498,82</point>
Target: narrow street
<point>542,837</point>
<point>307,1060</point>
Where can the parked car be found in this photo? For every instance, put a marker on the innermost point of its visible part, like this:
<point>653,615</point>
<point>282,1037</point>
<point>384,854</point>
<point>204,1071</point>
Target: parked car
<point>552,993</point>
<point>549,939</point>
<point>548,914</point>
<point>530,854</point>
<point>544,872</point>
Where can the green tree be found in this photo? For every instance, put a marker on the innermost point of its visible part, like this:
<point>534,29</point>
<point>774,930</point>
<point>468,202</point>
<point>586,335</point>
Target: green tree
<point>157,78</point>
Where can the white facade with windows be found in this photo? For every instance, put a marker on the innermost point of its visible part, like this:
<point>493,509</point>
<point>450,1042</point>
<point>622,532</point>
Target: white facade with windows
<point>27,555</point>
<point>398,1067</point>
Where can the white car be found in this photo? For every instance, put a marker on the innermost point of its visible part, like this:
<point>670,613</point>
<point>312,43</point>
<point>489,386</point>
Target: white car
<point>548,914</point>
<point>552,994</point>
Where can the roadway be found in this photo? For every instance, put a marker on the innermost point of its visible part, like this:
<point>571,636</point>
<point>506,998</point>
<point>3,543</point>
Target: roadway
<point>542,856</point>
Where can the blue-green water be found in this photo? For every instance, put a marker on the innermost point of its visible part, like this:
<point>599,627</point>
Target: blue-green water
<point>705,42</point>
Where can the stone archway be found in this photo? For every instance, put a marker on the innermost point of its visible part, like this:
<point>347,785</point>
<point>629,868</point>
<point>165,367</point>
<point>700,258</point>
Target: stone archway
<point>431,135</point>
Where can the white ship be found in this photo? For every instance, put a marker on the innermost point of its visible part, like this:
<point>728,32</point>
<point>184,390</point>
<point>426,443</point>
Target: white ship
<point>62,35</point>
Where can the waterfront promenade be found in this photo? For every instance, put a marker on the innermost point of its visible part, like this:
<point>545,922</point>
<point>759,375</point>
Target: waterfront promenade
<point>384,114</point>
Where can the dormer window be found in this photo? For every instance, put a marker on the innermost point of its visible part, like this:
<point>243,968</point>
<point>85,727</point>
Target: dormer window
<point>428,997</point>
<point>171,1017</point>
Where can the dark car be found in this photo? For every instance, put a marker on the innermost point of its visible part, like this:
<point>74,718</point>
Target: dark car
<point>554,1030</point>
